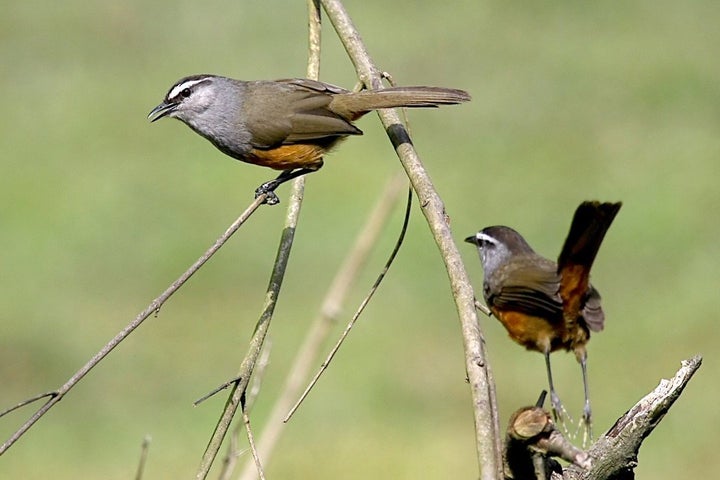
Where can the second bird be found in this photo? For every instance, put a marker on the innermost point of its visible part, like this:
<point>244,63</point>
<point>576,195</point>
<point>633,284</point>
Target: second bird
<point>547,306</point>
<point>286,125</point>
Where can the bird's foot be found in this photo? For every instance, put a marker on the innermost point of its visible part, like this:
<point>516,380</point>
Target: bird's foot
<point>586,425</point>
<point>268,189</point>
<point>560,414</point>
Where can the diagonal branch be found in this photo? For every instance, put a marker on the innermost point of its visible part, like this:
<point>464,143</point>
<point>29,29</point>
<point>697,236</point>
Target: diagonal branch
<point>358,312</point>
<point>484,402</point>
<point>614,455</point>
<point>154,307</point>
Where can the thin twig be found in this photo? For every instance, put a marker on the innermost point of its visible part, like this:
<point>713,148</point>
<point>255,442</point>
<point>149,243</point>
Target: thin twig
<point>482,308</point>
<point>215,390</point>
<point>233,450</point>
<point>256,381</point>
<point>314,39</point>
<point>313,72</point>
<point>143,457</point>
<point>27,402</point>
<point>154,307</point>
<point>321,326</point>
<point>359,311</point>
<point>251,441</point>
<point>487,435</point>
<point>233,453</point>
<point>258,338</point>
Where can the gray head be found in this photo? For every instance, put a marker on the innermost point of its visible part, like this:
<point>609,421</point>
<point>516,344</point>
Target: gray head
<point>496,245</point>
<point>210,105</point>
<point>187,98</point>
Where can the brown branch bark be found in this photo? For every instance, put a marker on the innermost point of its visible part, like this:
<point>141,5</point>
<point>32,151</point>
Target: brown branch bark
<point>612,457</point>
<point>615,453</point>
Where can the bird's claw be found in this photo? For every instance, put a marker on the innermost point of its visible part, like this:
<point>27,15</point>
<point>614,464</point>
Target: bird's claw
<point>560,414</point>
<point>267,189</point>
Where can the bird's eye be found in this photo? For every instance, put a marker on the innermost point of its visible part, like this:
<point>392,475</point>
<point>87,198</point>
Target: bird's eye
<point>185,92</point>
<point>485,243</point>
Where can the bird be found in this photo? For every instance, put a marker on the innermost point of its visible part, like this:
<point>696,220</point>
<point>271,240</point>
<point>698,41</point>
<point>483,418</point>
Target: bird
<point>287,124</point>
<point>544,305</point>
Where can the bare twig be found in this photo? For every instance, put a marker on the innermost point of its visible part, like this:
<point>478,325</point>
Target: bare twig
<point>286,241</point>
<point>253,450</point>
<point>321,326</point>
<point>27,401</point>
<point>359,311</point>
<point>233,453</point>
<point>482,308</point>
<point>484,403</point>
<point>257,378</point>
<point>233,450</point>
<point>143,457</point>
<point>314,39</point>
<point>256,342</point>
<point>215,390</point>
<point>154,307</point>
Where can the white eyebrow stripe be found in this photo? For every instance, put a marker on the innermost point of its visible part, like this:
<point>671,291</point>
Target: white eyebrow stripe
<point>485,237</point>
<point>175,91</point>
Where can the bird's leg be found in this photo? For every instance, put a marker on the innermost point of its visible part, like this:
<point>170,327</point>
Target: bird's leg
<point>268,188</point>
<point>558,410</point>
<point>587,413</point>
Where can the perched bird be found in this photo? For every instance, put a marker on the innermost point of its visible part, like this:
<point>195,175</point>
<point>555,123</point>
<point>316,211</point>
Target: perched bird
<point>547,306</point>
<point>286,125</point>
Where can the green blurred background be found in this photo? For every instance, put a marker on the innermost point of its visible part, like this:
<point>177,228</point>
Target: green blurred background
<point>100,211</point>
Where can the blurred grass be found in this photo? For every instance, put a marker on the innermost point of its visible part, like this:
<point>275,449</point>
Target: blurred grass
<point>99,211</point>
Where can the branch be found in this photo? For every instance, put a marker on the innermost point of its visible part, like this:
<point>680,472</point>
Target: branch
<point>286,241</point>
<point>320,329</point>
<point>358,312</point>
<point>614,455</point>
<point>154,307</point>
<point>233,450</point>
<point>484,403</point>
<point>143,457</point>
<point>532,438</point>
<point>256,342</point>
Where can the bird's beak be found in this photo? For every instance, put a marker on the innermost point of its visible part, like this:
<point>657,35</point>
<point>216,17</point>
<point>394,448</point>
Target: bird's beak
<point>161,111</point>
<point>472,239</point>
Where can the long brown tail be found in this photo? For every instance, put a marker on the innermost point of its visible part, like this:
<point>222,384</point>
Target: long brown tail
<point>356,104</point>
<point>588,228</point>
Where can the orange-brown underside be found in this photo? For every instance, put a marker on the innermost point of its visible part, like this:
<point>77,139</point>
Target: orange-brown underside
<point>288,157</point>
<point>536,333</point>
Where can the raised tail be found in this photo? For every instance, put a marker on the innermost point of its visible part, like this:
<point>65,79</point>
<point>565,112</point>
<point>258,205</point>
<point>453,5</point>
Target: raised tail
<point>590,223</point>
<point>353,105</point>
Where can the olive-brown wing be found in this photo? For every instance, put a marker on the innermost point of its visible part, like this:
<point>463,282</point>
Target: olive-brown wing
<point>293,111</point>
<point>528,285</point>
